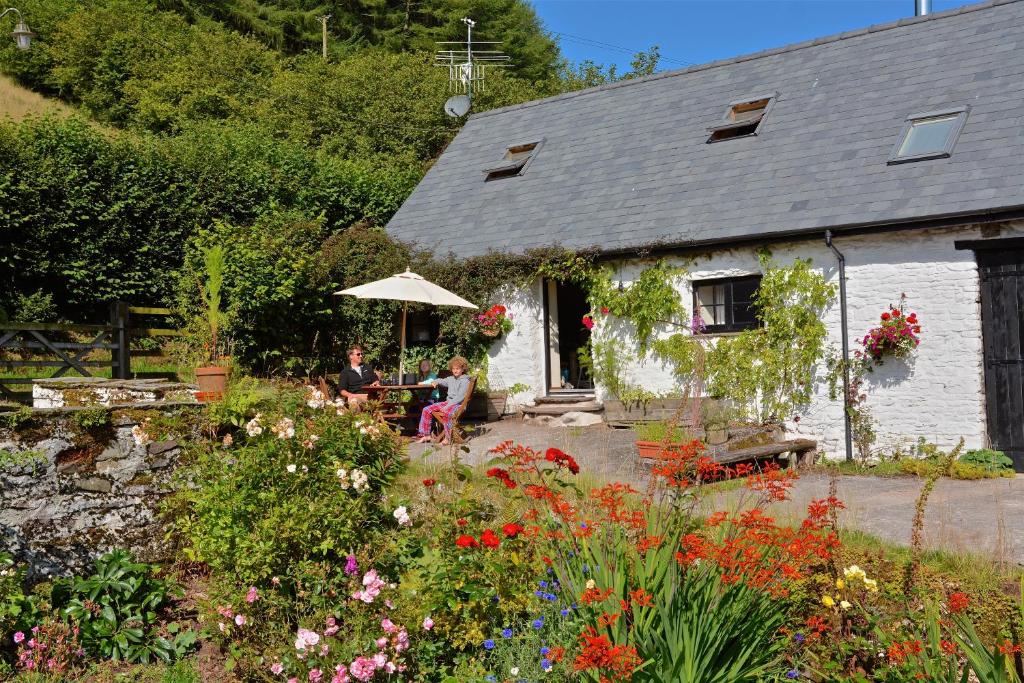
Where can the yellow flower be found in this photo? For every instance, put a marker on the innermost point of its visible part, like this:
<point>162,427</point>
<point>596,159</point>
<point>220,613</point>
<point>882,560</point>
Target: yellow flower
<point>828,601</point>
<point>590,584</point>
<point>854,572</point>
<point>845,605</point>
<point>871,585</point>
<point>840,584</point>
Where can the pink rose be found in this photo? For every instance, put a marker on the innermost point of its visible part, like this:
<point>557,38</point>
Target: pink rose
<point>18,637</point>
<point>240,619</point>
<point>315,675</point>
<point>251,596</point>
<point>428,624</point>
<point>382,642</point>
<point>276,668</point>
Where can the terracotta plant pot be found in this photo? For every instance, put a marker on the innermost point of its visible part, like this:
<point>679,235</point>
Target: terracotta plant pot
<point>212,381</point>
<point>653,450</point>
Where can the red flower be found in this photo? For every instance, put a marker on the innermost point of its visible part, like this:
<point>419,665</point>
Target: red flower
<point>511,530</point>
<point>502,476</point>
<point>562,460</point>
<point>958,602</point>
<point>605,310</point>
<point>588,322</point>
<point>462,522</point>
<point>466,541</point>
<point>885,316</point>
<point>429,482</point>
<point>490,539</point>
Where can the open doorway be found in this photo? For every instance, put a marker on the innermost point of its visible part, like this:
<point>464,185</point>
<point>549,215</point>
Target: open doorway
<point>565,334</point>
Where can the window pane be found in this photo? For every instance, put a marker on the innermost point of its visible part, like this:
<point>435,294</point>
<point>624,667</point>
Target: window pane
<point>928,136</point>
<point>711,303</point>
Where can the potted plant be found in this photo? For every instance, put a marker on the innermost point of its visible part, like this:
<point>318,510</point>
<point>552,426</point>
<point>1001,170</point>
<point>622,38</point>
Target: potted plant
<point>212,378</point>
<point>654,439</point>
<point>497,401</point>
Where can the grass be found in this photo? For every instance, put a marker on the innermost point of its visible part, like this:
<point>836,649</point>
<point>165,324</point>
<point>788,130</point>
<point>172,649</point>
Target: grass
<point>17,102</point>
<point>908,467</point>
<point>183,671</point>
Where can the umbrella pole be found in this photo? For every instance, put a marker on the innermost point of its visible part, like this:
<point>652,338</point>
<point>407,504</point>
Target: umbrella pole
<point>401,354</point>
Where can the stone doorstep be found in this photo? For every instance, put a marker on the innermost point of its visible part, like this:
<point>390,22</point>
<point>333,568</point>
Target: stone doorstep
<point>564,398</point>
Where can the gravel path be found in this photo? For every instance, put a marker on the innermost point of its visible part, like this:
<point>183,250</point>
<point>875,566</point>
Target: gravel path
<point>983,517</point>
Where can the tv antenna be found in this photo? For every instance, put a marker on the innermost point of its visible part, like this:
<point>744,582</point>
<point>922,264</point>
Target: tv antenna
<point>467,68</point>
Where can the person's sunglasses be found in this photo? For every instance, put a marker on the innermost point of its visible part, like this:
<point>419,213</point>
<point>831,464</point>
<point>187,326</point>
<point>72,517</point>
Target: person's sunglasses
<point>356,353</point>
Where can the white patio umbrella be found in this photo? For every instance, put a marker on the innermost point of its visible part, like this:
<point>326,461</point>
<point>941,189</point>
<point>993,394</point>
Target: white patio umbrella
<point>406,287</point>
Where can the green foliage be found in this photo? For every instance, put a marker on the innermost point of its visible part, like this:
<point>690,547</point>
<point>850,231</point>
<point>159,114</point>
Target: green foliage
<point>213,264</point>
<point>651,301</point>
<point>13,419</point>
<point>769,370</point>
<point>119,611</point>
<point>988,459</point>
<point>661,432</point>
<point>17,609</point>
<point>91,418</point>
<point>265,505</point>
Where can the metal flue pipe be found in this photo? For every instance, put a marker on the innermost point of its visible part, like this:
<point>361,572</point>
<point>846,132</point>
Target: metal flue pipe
<point>922,7</point>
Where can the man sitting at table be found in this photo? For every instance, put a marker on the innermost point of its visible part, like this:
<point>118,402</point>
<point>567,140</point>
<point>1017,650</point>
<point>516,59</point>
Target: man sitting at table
<point>356,376</point>
<point>458,387</point>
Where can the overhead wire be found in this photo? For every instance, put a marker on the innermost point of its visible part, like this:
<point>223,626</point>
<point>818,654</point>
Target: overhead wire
<point>591,42</point>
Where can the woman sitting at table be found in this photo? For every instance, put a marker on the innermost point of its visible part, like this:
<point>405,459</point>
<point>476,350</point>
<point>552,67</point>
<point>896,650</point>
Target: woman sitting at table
<point>356,376</point>
<point>458,387</point>
<point>427,376</point>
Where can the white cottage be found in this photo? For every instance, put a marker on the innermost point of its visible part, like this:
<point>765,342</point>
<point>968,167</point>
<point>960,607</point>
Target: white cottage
<point>904,142</point>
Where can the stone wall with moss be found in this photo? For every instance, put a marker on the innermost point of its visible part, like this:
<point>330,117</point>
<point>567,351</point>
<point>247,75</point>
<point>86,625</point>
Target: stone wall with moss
<point>78,482</point>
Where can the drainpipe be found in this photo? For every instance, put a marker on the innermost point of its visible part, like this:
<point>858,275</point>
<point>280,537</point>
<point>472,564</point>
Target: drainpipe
<point>846,343</point>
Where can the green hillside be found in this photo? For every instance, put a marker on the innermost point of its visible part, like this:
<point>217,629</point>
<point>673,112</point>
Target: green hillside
<point>17,102</point>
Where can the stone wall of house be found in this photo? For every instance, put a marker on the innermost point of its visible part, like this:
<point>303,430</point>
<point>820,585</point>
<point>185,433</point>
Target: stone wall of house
<point>518,358</point>
<point>938,394</point>
<point>72,489</point>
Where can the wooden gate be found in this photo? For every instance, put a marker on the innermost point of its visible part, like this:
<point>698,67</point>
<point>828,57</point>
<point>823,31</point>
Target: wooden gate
<point>47,345</point>
<point>1002,303</point>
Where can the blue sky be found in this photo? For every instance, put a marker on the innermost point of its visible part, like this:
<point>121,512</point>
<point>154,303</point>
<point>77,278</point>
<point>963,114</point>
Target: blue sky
<point>698,31</point>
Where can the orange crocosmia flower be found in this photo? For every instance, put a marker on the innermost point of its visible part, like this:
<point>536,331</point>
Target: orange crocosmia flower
<point>641,598</point>
<point>958,602</point>
<point>608,619</point>
<point>649,543</point>
<point>592,595</point>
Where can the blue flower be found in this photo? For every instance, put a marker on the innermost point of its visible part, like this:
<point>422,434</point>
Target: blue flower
<point>490,678</point>
<point>506,633</point>
<point>586,569</point>
<point>538,623</point>
<point>792,673</point>
<point>583,525</point>
<point>489,644</point>
<point>799,637</point>
<point>545,650</point>
<point>545,664</point>
<point>543,584</point>
<point>564,612</point>
<point>539,594</point>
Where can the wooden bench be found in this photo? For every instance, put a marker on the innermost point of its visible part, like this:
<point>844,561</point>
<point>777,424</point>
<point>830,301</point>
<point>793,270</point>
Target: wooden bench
<point>803,451</point>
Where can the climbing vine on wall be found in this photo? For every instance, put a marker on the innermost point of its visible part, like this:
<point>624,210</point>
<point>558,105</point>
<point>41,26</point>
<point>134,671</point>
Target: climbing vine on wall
<point>769,370</point>
<point>650,301</point>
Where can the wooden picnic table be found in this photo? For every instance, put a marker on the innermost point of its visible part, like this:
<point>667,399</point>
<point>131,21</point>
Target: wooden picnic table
<point>391,408</point>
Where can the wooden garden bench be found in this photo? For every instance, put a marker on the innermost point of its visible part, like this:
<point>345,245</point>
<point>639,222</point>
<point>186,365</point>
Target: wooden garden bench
<point>804,451</point>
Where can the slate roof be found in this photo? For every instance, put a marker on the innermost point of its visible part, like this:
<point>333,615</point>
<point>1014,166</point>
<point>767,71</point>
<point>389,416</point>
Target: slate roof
<point>626,165</point>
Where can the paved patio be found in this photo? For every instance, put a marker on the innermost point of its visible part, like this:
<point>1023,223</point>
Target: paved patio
<point>984,517</point>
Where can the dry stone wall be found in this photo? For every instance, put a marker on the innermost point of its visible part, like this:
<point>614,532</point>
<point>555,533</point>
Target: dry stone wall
<point>74,485</point>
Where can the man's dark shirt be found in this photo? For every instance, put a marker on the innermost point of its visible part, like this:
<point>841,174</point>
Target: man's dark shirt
<point>354,380</point>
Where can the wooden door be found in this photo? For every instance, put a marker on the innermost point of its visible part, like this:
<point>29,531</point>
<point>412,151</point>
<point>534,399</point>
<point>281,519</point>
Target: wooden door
<point>1002,314</point>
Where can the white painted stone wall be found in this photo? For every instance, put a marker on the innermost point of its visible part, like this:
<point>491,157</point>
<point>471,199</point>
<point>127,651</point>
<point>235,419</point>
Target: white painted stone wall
<point>518,358</point>
<point>938,394</point>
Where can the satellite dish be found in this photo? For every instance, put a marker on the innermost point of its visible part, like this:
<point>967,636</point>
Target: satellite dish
<point>457,106</point>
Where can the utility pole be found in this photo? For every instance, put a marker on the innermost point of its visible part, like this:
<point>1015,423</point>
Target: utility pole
<point>323,26</point>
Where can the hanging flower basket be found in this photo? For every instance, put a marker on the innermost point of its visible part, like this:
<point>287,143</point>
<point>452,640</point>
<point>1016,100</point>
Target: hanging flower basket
<point>896,336</point>
<point>494,322</point>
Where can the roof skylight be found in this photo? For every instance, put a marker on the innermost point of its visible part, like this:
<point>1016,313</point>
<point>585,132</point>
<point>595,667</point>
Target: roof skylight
<point>743,118</point>
<point>514,161</point>
<point>931,135</point>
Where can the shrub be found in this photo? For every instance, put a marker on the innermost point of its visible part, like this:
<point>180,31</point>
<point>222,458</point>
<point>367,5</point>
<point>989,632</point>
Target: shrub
<point>298,483</point>
<point>988,459</point>
<point>118,612</point>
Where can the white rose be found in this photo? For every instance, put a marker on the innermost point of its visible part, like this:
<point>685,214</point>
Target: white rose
<point>291,469</point>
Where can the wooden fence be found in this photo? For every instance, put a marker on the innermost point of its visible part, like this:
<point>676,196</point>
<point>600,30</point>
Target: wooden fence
<point>47,339</point>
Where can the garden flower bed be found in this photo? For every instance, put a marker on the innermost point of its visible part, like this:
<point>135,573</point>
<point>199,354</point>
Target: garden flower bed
<point>313,552</point>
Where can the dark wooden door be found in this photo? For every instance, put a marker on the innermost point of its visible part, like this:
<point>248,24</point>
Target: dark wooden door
<point>1002,314</point>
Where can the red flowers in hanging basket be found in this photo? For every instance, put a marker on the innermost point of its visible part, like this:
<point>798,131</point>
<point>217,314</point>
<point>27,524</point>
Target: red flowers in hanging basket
<point>495,321</point>
<point>896,336</point>
<point>588,322</point>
